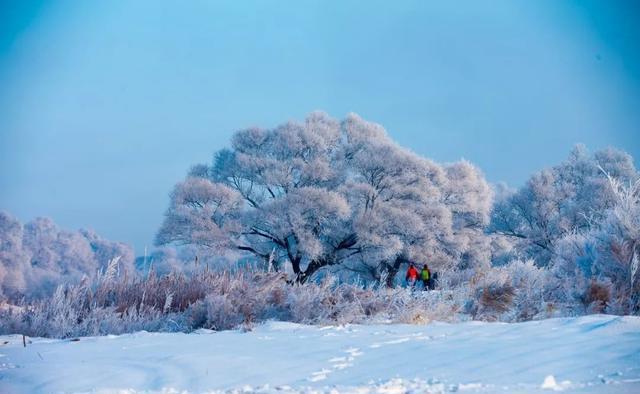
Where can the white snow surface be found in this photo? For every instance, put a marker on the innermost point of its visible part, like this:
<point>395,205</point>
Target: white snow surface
<point>591,354</point>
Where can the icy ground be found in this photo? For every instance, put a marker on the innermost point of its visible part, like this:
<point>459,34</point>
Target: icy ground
<point>589,354</point>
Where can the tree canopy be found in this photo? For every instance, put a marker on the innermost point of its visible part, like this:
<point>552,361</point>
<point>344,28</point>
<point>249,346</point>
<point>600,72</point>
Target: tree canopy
<point>328,193</point>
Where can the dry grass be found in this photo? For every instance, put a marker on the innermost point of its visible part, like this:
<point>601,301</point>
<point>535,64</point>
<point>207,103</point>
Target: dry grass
<point>214,300</point>
<point>597,297</point>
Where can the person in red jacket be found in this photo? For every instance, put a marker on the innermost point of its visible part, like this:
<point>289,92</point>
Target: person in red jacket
<point>412,275</point>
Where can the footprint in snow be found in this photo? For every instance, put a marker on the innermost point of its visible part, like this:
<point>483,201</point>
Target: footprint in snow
<point>396,341</point>
<point>354,352</point>
<point>341,362</point>
<point>319,375</point>
<point>392,342</point>
<point>337,364</point>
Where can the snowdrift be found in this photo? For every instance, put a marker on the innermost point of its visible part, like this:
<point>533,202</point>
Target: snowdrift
<point>597,353</point>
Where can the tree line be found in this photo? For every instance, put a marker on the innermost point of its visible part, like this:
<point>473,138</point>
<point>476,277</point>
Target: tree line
<point>341,198</point>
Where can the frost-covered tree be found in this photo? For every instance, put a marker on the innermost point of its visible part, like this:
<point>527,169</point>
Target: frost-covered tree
<point>38,256</point>
<point>202,212</point>
<point>561,200</point>
<point>13,257</point>
<point>601,264</point>
<point>323,193</point>
<point>619,237</point>
<point>580,220</point>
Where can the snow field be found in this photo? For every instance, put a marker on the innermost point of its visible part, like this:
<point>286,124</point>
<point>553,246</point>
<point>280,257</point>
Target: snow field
<point>591,354</point>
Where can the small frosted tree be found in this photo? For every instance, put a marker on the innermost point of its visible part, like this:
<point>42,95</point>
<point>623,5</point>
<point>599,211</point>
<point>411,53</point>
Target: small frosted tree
<point>603,261</point>
<point>561,200</point>
<point>622,224</point>
<point>580,220</point>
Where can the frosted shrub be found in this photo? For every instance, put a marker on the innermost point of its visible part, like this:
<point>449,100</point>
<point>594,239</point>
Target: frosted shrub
<point>222,313</point>
<point>306,306</point>
<point>491,300</point>
<point>513,292</point>
<point>597,296</point>
<point>528,282</point>
<point>327,302</point>
<point>496,298</point>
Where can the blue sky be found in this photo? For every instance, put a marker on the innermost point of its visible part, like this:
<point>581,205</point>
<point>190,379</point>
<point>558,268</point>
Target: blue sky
<point>104,105</point>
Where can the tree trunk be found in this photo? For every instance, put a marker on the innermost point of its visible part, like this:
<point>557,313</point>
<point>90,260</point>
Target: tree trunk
<point>295,265</point>
<point>313,266</point>
<point>392,270</point>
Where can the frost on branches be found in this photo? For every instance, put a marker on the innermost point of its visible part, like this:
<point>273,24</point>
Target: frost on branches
<point>325,202</point>
<point>332,194</point>
<point>581,221</point>
<point>38,256</point>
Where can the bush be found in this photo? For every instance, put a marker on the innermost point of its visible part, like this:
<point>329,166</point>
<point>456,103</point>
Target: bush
<point>517,291</point>
<point>491,301</point>
<point>215,300</point>
<point>116,304</point>
<point>596,297</point>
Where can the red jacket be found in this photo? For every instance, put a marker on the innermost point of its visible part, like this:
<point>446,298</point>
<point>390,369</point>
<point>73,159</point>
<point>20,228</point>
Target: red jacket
<point>412,273</point>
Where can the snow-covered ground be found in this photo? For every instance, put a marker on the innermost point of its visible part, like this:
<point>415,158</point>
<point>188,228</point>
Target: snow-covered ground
<point>587,354</point>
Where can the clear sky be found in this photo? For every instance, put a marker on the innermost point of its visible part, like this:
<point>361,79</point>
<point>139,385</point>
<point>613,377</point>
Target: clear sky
<point>104,105</point>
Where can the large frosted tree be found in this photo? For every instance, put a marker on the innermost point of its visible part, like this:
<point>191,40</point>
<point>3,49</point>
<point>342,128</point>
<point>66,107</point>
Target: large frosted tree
<point>324,193</point>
